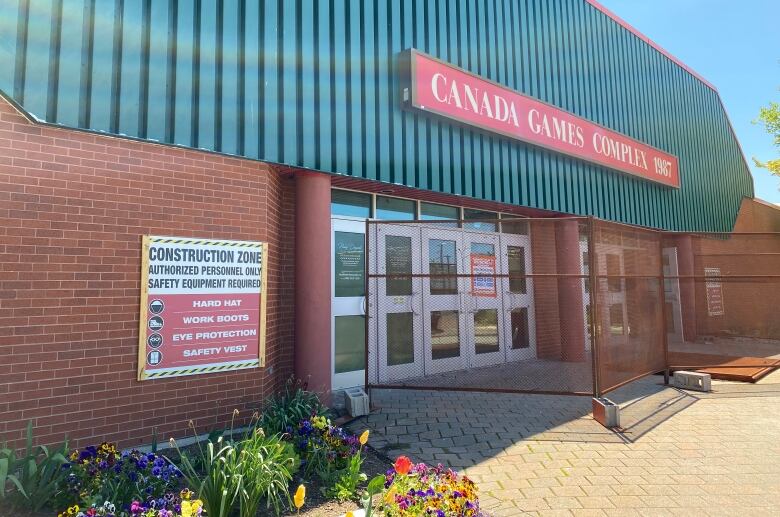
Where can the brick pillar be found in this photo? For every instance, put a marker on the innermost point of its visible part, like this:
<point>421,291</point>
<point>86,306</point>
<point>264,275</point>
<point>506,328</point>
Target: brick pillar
<point>545,290</point>
<point>571,310</point>
<point>312,281</point>
<point>686,267</point>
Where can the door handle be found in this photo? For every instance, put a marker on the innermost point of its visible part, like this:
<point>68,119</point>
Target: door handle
<point>363,306</point>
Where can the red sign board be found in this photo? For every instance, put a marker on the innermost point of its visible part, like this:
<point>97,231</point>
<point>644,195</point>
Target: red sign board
<point>449,91</point>
<point>483,285</point>
<point>202,306</point>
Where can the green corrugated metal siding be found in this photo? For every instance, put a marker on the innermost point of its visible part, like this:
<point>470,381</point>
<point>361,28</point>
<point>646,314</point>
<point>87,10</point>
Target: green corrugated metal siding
<point>313,84</point>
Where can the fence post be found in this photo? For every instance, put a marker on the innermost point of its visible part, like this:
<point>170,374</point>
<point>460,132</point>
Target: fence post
<point>662,301</point>
<point>594,309</point>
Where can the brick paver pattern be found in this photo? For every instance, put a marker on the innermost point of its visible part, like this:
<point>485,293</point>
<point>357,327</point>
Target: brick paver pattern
<point>678,453</point>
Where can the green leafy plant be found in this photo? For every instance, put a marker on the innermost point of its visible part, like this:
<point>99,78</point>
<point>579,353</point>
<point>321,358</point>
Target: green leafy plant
<point>267,465</point>
<point>769,117</point>
<point>346,481</point>
<point>332,454</point>
<point>34,477</point>
<point>374,487</point>
<point>220,484</point>
<point>285,410</point>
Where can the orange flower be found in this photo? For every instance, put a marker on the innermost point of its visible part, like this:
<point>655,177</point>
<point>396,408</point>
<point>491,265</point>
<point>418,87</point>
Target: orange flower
<point>403,465</point>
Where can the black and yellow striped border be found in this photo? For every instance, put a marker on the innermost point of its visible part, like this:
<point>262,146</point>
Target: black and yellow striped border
<point>146,242</point>
<point>202,369</point>
<point>231,244</point>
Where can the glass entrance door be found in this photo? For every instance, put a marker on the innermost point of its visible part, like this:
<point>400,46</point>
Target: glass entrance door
<point>444,323</point>
<point>398,306</point>
<point>588,312</point>
<point>482,304</point>
<point>672,296</point>
<point>348,310</point>
<point>519,329</point>
<point>616,311</point>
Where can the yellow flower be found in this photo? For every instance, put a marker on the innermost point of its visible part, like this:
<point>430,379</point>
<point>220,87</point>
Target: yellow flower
<point>191,508</point>
<point>364,437</point>
<point>300,496</point>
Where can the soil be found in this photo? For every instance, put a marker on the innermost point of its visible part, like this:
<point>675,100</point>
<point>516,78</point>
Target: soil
<point>317,506</point>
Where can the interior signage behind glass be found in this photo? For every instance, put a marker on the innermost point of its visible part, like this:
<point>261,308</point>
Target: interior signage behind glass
<point>350,262</point>
<point>438,87</point>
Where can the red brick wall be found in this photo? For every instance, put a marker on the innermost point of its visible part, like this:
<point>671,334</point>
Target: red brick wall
<point>757,216</point>
<point>546,313</point>
<point>749,264</point>
<point>73,208</point>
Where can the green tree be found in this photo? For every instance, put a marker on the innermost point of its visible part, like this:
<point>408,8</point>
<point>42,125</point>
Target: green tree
<point>769,116</point>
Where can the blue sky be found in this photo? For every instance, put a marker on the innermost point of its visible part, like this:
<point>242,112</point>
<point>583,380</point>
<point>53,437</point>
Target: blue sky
<point>735,45</point>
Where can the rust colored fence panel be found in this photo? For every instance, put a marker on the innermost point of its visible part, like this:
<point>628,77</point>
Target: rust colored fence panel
<point>562,305</point>
<point>628,301</point>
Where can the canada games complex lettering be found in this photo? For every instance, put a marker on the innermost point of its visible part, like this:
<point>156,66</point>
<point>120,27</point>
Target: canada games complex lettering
<point>203,306</point>
<point>441,88</point>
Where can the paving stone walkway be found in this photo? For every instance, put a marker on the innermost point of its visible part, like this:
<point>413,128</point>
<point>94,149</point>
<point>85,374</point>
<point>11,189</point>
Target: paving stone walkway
<point>679,453</point>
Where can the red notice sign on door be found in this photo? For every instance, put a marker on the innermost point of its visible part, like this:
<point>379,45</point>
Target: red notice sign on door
<point>483,285</point>
<point>203,306</point>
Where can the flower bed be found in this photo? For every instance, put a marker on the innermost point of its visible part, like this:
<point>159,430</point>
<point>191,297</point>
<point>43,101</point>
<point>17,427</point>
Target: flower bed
<point>242,474</point>
<point>418,489</point>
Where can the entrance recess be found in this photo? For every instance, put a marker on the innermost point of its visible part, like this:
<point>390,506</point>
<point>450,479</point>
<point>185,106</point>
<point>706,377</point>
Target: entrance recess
<point>446,299</point>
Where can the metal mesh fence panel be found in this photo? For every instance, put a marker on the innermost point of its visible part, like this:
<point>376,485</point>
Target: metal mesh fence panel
<point>567,305</point>
<point>722,300</point>
<point>629,321</point>
<point>480,305</point>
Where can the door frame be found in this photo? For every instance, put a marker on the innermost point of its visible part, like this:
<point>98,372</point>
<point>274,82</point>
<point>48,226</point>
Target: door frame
<point>587,309</point>
<point>474,303</point>
<point>512,301</point>
<point>442,302</point>
<point>674,292</point>
<point>345,306</point>
<point>616,297</point>
<point>411,303</point>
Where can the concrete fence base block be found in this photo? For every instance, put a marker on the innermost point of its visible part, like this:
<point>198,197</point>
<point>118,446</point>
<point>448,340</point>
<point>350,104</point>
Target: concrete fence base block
<point>606,412</point>
<point>693,381</point>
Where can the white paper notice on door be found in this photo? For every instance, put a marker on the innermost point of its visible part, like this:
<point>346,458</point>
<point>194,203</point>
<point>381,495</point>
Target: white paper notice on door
<point>714,292</point>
